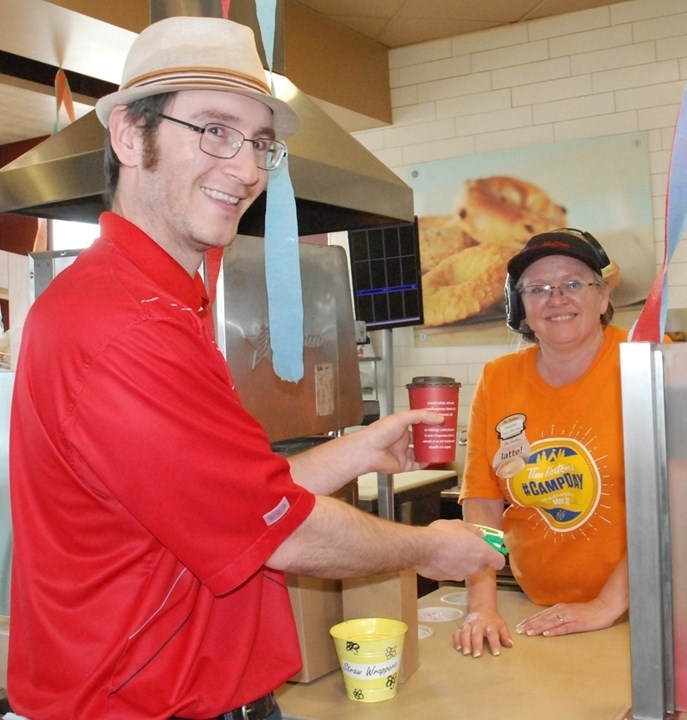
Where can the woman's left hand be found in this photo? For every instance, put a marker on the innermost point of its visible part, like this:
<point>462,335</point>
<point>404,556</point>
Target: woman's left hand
<point>567,618</point>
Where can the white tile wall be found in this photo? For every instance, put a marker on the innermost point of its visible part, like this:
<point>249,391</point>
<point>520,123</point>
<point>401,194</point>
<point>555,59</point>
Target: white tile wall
<point>613,69</point>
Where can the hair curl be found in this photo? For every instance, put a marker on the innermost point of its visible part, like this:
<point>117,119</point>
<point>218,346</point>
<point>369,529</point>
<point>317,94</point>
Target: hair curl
<point>147,109</point>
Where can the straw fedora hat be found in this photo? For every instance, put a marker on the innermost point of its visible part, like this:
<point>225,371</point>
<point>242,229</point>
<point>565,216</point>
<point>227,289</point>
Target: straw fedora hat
<point>196,53</point>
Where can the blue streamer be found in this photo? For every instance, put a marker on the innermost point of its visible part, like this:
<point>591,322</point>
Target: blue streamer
<point>283,273</point>
<point>267,18</point>
<point>282,258</point>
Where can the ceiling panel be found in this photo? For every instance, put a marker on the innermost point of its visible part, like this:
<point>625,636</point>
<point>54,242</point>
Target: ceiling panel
<point>549,8</point>
<point>404,31</point>
<point>43,31</point>
<point>406,22</point>
<point>496,13</point>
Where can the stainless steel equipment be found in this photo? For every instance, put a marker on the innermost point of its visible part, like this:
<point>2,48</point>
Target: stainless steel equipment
<point>338,183</point>
<point>654,390</point>
<point>329,397</point>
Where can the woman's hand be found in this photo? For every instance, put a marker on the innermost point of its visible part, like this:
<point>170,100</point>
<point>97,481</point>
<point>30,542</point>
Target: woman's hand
<point>480,626</point>
<point>567,618</point>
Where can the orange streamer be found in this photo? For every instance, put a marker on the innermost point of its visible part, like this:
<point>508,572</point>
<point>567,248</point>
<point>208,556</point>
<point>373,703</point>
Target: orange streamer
<point>63,96</point>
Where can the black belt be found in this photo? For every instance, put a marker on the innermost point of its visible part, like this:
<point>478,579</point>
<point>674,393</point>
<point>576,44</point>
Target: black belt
<point>257,710</point>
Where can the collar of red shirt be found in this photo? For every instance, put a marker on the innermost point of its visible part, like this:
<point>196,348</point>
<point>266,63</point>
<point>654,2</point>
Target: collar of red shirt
<point>157,263</point>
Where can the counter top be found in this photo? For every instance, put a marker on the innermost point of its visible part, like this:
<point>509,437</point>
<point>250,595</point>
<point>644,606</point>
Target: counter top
<point>575,677</point>
<point>367,483</point>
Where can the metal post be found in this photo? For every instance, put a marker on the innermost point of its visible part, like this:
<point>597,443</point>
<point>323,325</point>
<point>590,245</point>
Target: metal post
<point>385,483</point>
<point>648,532</point>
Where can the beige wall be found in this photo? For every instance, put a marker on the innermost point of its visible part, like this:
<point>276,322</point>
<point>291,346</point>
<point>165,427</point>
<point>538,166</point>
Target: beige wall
<point>606,71</point>
<point>337,65</point>
<point>328,61</point>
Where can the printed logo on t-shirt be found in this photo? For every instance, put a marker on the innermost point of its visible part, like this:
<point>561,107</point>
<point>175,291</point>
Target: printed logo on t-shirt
<point>513,446</point>
<point>561,481</point>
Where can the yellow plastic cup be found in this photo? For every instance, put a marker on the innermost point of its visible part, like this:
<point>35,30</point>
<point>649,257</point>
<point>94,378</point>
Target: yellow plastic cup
<point>369,652</point>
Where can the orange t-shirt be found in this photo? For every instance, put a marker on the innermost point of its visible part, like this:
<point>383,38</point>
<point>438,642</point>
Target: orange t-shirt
<point>556,455</point>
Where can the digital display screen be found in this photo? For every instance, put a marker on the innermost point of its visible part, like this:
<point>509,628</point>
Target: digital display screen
<point>386,276</point>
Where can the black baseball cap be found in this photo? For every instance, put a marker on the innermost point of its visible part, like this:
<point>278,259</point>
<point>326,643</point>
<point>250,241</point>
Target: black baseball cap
<point>564,241</point>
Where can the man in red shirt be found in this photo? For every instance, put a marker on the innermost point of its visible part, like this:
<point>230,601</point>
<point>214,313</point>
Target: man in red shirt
<point>153,524</point>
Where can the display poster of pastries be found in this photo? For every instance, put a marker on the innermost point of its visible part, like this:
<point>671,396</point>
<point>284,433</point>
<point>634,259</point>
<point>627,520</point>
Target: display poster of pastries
<point>475,212</point>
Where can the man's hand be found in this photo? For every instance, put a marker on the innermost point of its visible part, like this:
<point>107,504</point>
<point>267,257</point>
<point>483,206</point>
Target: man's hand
<point>455,551</point>
<point>388,441</point>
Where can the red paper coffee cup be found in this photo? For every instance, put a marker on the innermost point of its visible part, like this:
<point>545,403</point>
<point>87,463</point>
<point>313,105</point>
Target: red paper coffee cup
<point>435,443</point>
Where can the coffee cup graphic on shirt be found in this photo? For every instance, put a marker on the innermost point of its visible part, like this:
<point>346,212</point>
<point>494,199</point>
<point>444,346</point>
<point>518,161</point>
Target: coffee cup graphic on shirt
<point>510,468</point>
<point>514,447</point>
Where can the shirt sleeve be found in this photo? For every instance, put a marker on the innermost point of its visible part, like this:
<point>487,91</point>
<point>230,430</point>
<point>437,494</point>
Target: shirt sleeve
<point>158,427</point>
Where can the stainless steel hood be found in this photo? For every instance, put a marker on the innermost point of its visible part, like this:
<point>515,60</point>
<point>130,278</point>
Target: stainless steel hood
<point>339,184</point>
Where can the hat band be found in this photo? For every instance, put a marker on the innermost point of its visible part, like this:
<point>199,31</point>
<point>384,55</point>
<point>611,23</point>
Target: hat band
<point>201,77</point>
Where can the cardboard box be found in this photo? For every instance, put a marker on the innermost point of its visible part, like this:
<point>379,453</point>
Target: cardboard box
<point>316,606</point>
<point>390,595</point>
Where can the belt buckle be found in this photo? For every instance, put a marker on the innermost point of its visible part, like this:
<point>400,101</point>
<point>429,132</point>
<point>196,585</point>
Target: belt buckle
<point>248,712</point>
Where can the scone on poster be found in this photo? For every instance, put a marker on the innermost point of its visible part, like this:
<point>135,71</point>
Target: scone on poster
<point>440,237</point>
<point>507,211</point>
<point>463,255</point>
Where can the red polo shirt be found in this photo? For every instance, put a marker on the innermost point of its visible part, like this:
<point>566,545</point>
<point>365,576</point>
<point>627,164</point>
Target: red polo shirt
<point>145,502</point>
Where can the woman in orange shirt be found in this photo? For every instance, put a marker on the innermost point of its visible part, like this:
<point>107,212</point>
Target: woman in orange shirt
<point>545,448</point>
